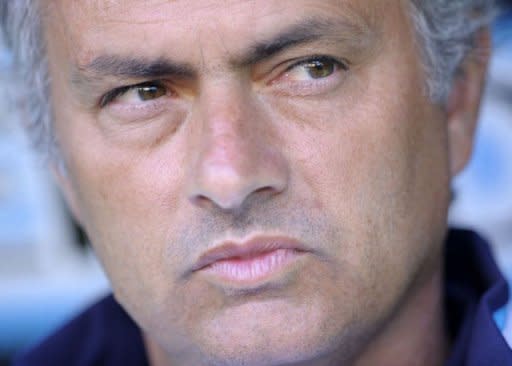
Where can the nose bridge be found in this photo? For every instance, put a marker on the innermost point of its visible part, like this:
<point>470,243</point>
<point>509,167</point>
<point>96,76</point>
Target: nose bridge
<point>236,157</point>
<point>227,143</point>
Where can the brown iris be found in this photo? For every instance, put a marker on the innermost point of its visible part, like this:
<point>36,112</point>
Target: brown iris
<point>150,92</point>
<point>318,69</point>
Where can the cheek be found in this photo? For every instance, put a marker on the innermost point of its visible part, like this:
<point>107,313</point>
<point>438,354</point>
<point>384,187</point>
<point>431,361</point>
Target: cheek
<point>128,201</point>
<point>377,165</point>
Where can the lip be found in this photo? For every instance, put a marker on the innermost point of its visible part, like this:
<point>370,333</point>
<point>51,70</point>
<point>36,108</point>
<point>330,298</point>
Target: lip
<point>252,260</point>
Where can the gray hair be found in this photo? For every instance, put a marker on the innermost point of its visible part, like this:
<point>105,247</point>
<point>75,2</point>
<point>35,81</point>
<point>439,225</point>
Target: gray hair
<point>27,84</point>
<point>446,31</point>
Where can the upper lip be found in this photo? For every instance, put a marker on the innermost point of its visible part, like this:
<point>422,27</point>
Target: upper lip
<point>247,249</point>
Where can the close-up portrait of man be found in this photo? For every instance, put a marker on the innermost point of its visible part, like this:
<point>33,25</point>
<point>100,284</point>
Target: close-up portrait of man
<point>264,182</point>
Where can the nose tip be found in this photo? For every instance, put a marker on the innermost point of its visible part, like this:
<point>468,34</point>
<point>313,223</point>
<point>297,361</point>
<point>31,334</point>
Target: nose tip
<point>230,184</point>
<point>230,193</point>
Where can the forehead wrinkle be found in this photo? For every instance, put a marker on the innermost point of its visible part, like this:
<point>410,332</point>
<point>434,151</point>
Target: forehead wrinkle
<point>110,64</point>
<point>113,11</point>
<point>322,29</point>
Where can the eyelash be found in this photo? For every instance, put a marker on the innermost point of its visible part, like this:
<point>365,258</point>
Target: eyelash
<point>117,92</point>
<point>342,64</point>
<point>110,96</point>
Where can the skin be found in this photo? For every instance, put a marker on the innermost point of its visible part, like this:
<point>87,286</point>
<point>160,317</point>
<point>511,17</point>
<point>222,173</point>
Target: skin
<point>355,165</point>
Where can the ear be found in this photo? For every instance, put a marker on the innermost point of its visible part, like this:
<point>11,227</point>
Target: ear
<point>463,104</point>
<point>60,174</point>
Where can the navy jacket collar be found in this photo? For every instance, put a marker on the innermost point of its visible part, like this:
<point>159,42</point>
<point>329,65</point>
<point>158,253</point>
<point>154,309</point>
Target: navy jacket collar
<point>476,299</point>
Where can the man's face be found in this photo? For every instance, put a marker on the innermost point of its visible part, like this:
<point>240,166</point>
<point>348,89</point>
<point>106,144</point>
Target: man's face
<point>298,128</point>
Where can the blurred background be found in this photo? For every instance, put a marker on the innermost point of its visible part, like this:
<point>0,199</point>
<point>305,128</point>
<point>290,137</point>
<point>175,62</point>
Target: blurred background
<point>48,272</point>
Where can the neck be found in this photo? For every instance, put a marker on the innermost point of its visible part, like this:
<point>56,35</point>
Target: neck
<point>416,335</point>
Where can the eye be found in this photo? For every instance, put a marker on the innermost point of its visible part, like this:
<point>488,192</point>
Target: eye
<point>314,68</point>
<point>135,94</point>
<point>149,92</point>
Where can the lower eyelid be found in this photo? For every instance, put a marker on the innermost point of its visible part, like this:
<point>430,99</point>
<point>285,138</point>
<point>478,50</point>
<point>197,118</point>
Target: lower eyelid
<point>138,111</point>
<point>310,87</point>
<point>336,69</point>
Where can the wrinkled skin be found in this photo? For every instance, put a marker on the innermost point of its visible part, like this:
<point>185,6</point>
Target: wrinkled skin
<point>354,162</point>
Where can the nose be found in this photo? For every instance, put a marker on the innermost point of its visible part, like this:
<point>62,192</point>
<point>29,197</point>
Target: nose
<point>235,154</point>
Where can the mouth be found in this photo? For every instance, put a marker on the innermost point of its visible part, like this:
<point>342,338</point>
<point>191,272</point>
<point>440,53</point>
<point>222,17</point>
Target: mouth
<point>252,262</point>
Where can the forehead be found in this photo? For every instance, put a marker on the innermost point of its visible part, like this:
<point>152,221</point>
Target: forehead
<point>86,23</point>
<point>154,11</point>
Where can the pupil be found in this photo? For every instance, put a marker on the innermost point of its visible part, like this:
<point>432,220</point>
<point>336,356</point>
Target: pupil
<point>150,92</point>
<point>320,69</point>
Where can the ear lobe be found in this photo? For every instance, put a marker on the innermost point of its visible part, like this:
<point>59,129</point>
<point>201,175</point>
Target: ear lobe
<point>463,105</point>
<point>63,181</point>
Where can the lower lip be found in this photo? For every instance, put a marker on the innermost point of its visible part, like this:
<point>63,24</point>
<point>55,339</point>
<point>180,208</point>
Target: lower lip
<point>255,268</point>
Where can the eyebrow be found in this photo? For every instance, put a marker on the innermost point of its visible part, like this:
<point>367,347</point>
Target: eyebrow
<point>130,67</point>
<point>308,30</point>
<point>304,32</point>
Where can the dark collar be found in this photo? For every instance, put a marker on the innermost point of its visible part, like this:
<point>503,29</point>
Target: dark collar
<point>476,301</point>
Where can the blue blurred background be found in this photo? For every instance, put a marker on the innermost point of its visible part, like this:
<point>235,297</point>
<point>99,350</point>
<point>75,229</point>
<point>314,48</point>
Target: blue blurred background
<point>47,273</point>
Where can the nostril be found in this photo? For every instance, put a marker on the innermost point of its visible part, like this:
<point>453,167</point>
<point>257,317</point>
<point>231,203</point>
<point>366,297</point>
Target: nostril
<point>234,200</point>
<point>202,201</point>
<point>266,191</point>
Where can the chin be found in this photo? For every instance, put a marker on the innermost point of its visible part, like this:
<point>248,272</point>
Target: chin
<point>286,350</point>
<point>292,336</point>
<point>276,354</point>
